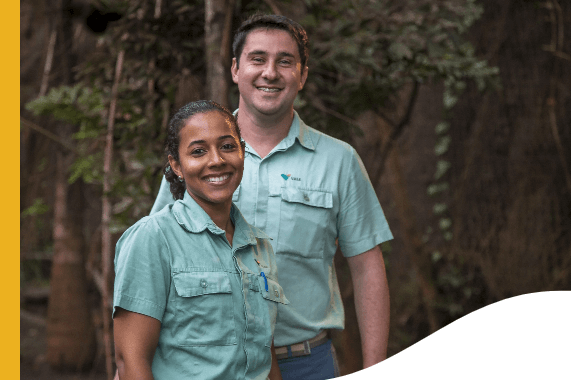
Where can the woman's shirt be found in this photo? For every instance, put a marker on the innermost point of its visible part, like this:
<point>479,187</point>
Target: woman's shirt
<point>217,304</point>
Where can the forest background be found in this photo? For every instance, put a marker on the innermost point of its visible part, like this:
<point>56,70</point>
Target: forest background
<point>460,110</point>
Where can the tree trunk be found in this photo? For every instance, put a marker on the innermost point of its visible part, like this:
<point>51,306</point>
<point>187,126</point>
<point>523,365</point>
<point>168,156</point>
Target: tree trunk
<point>70,336</point>
<point>218,30</point>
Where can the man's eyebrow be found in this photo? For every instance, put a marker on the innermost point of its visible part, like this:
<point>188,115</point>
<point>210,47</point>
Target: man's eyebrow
<point>256,52</point>
<point>285,54</point>
<point>263,52</point>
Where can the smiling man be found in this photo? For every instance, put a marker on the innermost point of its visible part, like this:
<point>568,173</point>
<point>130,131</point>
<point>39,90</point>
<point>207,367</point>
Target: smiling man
<point>310,193</point>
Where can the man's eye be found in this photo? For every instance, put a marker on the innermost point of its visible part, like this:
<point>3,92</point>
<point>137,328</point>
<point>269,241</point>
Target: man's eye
<point>257,59</point>
<point>197,152</point>
<point>228,146</point>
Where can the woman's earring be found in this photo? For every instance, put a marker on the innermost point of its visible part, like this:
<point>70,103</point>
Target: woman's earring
<point>181,179</point>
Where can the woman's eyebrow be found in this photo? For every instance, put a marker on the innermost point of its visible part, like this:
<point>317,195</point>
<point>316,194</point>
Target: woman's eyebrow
<point>201,141</point>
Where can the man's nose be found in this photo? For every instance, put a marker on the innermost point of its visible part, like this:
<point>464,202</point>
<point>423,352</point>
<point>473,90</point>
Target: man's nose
<point>270,72</point>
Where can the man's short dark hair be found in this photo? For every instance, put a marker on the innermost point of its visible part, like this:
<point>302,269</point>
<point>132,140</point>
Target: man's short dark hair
<point>262,21</point>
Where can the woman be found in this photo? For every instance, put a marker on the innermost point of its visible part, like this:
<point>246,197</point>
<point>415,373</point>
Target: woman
<point>195,292</point>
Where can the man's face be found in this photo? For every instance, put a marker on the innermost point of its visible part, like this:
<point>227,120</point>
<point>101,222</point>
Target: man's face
<point>270,73</point>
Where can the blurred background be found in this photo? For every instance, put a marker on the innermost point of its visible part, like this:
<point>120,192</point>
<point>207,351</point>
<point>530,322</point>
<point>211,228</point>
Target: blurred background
<point>460,110</point>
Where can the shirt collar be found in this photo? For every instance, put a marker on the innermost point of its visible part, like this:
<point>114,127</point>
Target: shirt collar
<point>298,129</point>
<point>193,218</point>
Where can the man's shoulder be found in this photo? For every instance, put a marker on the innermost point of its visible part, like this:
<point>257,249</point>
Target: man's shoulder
<point>324,143</point>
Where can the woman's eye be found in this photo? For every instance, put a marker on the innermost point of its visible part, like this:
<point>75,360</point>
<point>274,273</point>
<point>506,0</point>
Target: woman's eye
<point>228,146</point>
<point>197,152</point>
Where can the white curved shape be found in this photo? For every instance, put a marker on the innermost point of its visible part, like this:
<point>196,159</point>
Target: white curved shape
<point>523,338</point>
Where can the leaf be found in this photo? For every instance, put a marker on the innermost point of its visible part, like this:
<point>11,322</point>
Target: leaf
<point>442,168</point>
<point>442,127</point>
<point>400,51</point>
<point>442,145</point>
<point>38,208</point>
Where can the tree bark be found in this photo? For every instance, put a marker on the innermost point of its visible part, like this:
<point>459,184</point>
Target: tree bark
<point>106,244</point>
<point>70,335</point>
<point>218,30</point>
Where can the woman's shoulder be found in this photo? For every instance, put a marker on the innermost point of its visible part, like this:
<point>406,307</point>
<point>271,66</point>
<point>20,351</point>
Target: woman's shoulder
<point>148,229</point>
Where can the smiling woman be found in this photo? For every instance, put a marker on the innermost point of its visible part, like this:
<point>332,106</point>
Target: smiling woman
<point>206,157</point>
<point>196,289</point>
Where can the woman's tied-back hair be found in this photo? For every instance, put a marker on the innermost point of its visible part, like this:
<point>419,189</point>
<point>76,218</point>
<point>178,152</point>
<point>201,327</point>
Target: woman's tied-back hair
<point>173,139</point>
<point>262,21</point>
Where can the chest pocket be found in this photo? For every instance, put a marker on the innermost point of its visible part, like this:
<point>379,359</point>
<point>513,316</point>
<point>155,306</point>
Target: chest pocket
<point>204,304</point>
<point>305,217</point>
<point>265,302</point>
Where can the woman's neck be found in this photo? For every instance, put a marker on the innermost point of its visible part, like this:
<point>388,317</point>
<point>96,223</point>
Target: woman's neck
<point>220,215</point>
<point>224,222</point>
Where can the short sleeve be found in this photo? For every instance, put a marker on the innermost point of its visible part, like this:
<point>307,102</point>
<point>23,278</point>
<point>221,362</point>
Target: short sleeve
<point>164,197</point>
<point>361,222</point>
<point>142,270</point>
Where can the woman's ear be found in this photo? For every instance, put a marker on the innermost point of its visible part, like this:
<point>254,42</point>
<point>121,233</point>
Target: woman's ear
<point>175,166</point>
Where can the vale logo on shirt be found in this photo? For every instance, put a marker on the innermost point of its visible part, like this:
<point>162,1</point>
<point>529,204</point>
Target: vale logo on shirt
<point>289,176</point>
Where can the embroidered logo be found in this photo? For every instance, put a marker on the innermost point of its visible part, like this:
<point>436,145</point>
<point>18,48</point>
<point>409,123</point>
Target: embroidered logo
<point>289,176</point>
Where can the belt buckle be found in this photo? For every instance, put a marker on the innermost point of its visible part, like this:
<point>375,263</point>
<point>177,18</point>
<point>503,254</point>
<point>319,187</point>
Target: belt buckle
<point>307,349</point>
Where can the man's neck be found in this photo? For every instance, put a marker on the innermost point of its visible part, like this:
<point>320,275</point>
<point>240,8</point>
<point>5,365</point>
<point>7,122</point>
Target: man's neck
<point>263,133</point>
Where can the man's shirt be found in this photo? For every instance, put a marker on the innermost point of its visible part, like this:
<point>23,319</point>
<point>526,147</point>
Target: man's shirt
<point>310,190</point>
<point>217,304</point>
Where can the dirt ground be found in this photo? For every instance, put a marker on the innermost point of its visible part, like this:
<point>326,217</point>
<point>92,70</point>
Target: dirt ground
<point>33,363</point>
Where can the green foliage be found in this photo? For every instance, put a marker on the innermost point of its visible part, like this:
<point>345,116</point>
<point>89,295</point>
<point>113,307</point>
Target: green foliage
<point>379,46</point>
<point>38,208</point>
<point>158,52</point>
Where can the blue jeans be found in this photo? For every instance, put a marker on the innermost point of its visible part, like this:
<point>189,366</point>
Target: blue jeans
<point>320,364</point>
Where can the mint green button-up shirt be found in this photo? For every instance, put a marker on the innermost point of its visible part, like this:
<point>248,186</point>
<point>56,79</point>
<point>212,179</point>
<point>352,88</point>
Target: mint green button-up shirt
<point>310,190</point>
<point>217,310</point>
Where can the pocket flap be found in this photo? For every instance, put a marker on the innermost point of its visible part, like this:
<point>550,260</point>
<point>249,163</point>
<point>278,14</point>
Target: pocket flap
<point>275,292</point>
<point>312,198</point>
<point>197,283</point>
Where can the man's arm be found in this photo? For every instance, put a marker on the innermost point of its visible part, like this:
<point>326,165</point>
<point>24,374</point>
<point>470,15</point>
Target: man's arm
<point>274,369</point>
<point>136,337</point>
<point>371,296</point>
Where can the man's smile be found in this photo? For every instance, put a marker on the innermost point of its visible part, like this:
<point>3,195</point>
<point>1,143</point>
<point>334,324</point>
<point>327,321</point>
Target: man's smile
<point>268,90</point>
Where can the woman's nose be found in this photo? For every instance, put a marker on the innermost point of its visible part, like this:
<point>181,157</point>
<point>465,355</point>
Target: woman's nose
<point>215,158</point>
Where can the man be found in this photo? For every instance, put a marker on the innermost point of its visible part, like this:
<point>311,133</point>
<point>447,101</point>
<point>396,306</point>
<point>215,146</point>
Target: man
<point>309,192</point>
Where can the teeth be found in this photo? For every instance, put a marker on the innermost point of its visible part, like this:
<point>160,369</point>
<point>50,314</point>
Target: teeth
<point>268,90</point>
<point>218,178</point>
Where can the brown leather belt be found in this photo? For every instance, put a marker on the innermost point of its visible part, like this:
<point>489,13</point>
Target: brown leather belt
<point>302,348</point>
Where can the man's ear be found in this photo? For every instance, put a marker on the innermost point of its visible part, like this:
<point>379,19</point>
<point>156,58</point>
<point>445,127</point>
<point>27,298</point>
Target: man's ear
<point>303,78</point>
<point>175,166</point>
<point>234,70</point>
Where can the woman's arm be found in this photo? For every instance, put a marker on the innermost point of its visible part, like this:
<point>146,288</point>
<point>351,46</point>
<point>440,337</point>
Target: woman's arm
<point>136,337</point>
<point>274,369</point>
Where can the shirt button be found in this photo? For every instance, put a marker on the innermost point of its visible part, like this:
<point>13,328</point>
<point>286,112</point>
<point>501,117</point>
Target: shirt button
<point>204,284</point>
<point>276,293</point>
<point>306,198</point>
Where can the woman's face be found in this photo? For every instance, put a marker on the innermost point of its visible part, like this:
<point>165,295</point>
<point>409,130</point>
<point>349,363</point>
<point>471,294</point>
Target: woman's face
<point>211,159</point>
